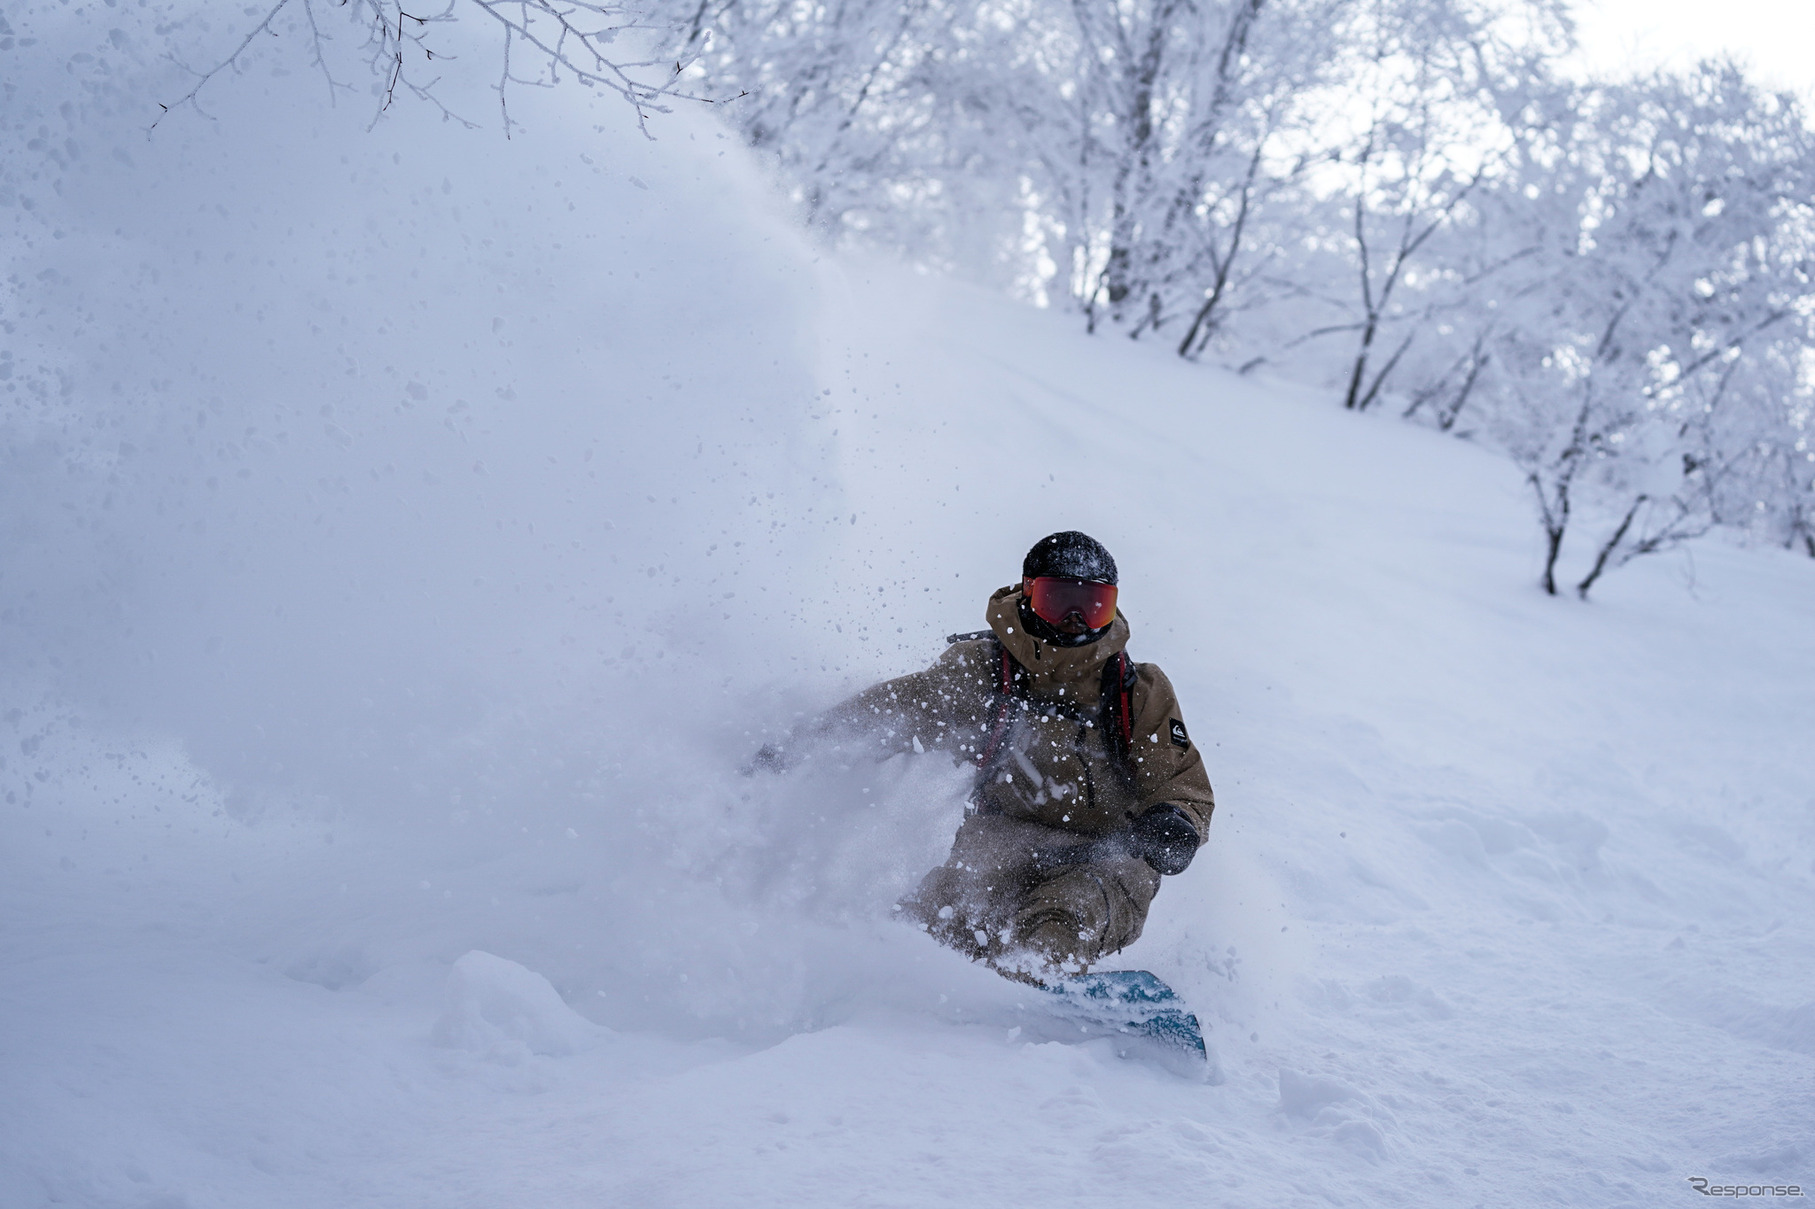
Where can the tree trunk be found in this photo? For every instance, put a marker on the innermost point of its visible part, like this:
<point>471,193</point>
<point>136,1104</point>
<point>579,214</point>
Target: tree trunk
<point>1556,523</point>
<point>1448,420</point>
<point>1554,538</point>
<point>1380,378</point>
<point>1131,184</point>
<point>1361,364</point>
<point>1204,321</point>
<point>1368,304</point>
<point>1115,272</point>
<point>1613,543</point>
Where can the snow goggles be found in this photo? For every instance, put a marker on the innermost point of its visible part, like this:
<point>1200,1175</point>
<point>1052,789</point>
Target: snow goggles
<point>1053,600</point>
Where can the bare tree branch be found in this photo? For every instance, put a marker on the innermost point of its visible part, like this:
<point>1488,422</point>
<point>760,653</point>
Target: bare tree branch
<point>568,39</point>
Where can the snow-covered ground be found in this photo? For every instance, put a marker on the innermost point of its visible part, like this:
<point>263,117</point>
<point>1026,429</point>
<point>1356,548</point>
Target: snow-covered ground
<point>407,534</point>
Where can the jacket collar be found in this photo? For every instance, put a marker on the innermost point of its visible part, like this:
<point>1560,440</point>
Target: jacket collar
<point>1071,673</point>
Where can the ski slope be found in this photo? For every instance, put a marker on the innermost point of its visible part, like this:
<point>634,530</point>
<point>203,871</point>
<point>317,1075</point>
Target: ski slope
<point>407,534</point>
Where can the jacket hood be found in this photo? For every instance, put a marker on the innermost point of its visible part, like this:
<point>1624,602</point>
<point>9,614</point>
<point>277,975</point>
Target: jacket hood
<point>1074,673</point>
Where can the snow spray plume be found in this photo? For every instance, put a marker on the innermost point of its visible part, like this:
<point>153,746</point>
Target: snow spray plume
<point>441,483</point>
<point>368,440</point>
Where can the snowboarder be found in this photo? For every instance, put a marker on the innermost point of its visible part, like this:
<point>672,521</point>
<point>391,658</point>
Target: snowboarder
<point>1089,787</point>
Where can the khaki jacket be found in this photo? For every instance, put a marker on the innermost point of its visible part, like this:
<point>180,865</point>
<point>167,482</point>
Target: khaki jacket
<point>1054,764</point>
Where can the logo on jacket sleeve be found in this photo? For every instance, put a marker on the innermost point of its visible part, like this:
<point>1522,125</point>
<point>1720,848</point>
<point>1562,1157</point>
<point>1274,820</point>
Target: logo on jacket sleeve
<point>1179,737</point>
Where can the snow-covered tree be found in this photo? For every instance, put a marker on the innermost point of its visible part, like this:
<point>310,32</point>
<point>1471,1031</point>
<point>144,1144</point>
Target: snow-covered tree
<point>1399,199</point>
<point>1674,312</point>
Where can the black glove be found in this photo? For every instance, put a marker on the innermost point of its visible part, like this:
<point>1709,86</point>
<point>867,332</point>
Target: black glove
<point>1164,838</point>
<point>768,758</point>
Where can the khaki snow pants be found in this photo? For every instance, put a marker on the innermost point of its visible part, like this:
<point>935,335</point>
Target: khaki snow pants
<point>1018,894</point>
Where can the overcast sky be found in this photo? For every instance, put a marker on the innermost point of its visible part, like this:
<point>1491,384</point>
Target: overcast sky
<point>1776,37</point>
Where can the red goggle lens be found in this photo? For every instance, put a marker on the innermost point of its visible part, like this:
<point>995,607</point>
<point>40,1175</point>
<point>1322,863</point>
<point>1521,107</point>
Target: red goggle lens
<point>1054,600</point>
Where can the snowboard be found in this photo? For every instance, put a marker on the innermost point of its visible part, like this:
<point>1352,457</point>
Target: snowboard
<point>1143,1015</point>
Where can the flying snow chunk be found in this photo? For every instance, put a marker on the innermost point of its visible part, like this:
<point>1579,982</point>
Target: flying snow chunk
<point>502,1011</point>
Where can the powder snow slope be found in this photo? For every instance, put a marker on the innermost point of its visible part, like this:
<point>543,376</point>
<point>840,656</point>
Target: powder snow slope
<point>408,534</point>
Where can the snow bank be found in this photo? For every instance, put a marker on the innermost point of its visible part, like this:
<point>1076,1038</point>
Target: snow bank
<point>502,1011</point>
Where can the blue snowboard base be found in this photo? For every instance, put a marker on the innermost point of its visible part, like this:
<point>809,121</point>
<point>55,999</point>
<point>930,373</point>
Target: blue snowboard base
<point>1144,1016</point>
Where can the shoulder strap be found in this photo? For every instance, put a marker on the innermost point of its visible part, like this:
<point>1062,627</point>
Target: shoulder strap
<point>1006,668</point>
<point>1004,690</point>
<point>1118,708</point>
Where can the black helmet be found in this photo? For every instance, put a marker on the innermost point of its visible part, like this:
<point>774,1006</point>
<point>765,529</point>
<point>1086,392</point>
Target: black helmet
<point>1069,555</point>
